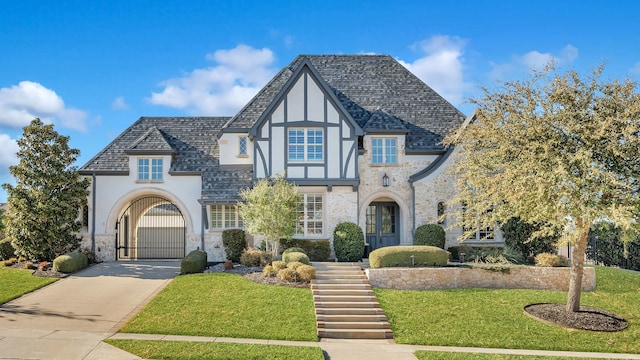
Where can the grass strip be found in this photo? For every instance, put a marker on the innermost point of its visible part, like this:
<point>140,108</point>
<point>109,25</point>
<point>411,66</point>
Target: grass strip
<point>228,305</point>
<point>178,350</point>
<point>17,282</point>
<point>495,318</point>
<point>442,355</point>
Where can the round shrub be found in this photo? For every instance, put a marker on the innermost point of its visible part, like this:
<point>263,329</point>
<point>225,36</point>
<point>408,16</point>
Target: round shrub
<point>269,271</point>
<point>430,234</point>
<point>294,265</point>
<point>278,265</point>
<point>195,262</point>
<point>287,275</point>
<point>551,260</point>
<point>306,273</point>
<point>234,242</point>
<point>296,256</point>
<point>348,242</point>
<point>253,258</point>
<point>6,249</point>
<point>293,249</point>
<point>408,256</point>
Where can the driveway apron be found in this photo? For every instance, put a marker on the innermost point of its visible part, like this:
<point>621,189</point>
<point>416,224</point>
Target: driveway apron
<point>69,318</point>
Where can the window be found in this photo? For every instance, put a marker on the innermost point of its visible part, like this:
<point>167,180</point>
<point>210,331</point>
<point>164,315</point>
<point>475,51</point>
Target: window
<point>242,146</point>
<point>226,217</point>
<point>310,215</point>
<point>481,233</point>
<point>306,145</point>
<point>149,169</point>
<point>441,216</point>
<point>383,151</point>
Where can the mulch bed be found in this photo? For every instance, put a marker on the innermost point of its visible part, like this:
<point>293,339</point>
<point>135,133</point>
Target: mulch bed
<point>254,274</point>
<point>45,272</point>
<point>588,318</point>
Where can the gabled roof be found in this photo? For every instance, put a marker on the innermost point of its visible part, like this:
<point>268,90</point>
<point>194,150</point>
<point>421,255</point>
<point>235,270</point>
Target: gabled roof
<point>193,143</point>
<point>364,84</point>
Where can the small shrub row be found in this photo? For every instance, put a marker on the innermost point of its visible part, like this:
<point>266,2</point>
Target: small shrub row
<point>317,250</point>
<point>235,243</point>
<point>348,242</point>
<point>195,262</point>
<point>429,234</point>
<point>9,262</point>
<point>495,255</point>
<point>296,257</point>
<point>254,257</point>
<point>551,260</point>
<point>408,256</point>
<point>292,272</point>
<point>70,262</point>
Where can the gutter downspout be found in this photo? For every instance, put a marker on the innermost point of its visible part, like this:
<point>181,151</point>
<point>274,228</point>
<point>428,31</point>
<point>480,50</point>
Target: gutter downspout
<point>413,208</point>
<point>202,222</point>
<point>93,213</point>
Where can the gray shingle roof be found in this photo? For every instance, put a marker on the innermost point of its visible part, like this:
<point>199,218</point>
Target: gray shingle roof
<point>364,84</point>
<point>193,140</point>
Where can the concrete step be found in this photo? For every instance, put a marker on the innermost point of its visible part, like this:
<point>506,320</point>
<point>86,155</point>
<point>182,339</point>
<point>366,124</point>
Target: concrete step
<point>355,334</point>
<point>341,277</point>
<point>353,325</point>
<point>340,281</point>
<point>348,311</point>
<point>338,286</point>
<point>351,318</point>
<point>346,304</point>
<point>321,299</point>
<point>343,292</point>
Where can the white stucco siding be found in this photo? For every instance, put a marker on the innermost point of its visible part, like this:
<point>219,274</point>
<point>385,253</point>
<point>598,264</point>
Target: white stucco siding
<point>315,101</point>
<point>278,137</point>
<point>229,150</point>
<point>333,153</point>
<point>347,148</point>
<point>295,101</point>
<point>333,116</point>
<point>278,114</point>
<point>262,158</point>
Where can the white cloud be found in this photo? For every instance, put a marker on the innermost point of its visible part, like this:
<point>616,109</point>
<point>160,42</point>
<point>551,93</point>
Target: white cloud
<point>635,70</point>
<point>8,150</point>
<point>442,66</point>
<point>533,60</point>
<point>119,103</point>
<point>19,104</point>
<point>221,89</point>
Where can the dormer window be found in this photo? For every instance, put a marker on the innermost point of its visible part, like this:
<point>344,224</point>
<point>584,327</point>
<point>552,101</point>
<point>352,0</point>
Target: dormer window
<point>384,151</point>
<point>149,169</point>
<point>306,145</point>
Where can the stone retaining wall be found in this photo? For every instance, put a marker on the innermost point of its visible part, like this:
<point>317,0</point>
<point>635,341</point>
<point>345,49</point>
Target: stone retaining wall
<point>524,277</point>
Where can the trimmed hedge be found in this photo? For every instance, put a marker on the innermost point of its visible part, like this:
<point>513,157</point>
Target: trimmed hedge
<point>400,256</point>
<point>317,250</point>
<point>348,242</point>
<point>430,234</point>
<point>70,262</point>
<point>296,256</point>
<point>6,249</point>
<point>195,262</point>
<point>293,249</point>
<point>234,242</point>
<point>254,258</point>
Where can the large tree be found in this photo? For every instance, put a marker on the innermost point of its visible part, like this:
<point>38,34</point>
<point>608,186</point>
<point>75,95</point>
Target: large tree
<point>270,208</point>
<point>558,149</point>
<point>42,218</point>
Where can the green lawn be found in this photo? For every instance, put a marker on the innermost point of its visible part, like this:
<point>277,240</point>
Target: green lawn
<point>428,355</point>
<point>178,350</point>
<point>495,318</point>
<point>228,305</point>
<point>17,282</point>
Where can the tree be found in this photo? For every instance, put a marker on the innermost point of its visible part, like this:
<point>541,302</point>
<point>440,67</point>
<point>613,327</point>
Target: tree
<point>517,235</point>
<point>270,208</point>
<point>42,218</point>
<point>555,149</point>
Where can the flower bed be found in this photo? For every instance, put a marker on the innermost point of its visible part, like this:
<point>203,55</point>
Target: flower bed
<point>513,277</point>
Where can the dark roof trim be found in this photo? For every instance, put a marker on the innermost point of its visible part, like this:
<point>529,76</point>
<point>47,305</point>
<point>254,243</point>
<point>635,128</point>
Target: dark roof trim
<point>329,182</point>
<point>103,172</point>
<point>208,201</point>
<point>387,131</point>
<point>287,86</point>
<point>149,152</point>
<point>424,152</point>
<point>236,166</point>
<point>185,173</point>
<point>432,167</point>
<point>235,130</point>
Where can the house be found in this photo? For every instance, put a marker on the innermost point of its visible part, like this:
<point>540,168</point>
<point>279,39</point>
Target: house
<point>359,134</point>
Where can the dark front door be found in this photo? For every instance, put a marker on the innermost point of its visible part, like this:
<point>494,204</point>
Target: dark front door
<point>382,225</point>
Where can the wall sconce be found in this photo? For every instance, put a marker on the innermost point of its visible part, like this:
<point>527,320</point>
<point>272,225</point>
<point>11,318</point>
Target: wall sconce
<point>385,180</point>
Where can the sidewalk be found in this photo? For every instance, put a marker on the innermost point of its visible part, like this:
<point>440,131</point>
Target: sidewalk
<point>374,349</point>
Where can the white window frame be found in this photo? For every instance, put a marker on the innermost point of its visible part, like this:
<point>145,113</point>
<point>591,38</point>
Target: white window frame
<point>481,234</point>
<point>245,152</point>
<point>229,217</point>
<point>152,171</point>
<point>305,219</point>
<point>306,145</point>
<point>387,157</point>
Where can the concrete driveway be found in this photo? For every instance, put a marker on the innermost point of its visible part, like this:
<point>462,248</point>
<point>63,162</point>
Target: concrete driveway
<point>69,318</point>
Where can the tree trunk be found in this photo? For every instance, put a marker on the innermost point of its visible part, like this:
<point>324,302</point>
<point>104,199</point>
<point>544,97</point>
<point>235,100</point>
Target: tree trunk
<point>577,269</point>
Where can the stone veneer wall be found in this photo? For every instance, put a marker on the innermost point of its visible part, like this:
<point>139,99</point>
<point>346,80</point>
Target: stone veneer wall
<point>524,277</point>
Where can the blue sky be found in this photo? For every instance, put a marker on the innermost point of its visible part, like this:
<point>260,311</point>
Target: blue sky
<point>94,67</point>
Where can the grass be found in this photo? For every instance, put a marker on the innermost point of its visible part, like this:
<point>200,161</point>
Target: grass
<point>495,318</point>
<point>228,305</point>
<point>17,282</point>
<point>441,355</point>
<point>177,350</point>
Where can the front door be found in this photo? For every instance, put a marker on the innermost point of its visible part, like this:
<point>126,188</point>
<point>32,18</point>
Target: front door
<point>382,225</point>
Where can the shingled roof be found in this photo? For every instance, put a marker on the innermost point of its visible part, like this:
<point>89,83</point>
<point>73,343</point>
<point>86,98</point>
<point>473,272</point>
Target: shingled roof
<point>377,91</point>
<point>193,143</point>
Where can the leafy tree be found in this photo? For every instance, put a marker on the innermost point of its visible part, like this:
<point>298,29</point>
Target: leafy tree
<point>555,149</point>
<point>270,208</point>
<point>42,219</point>
<point>517,235</point>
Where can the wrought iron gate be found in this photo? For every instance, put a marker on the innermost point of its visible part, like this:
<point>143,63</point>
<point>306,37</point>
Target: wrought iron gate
<point>150,228</point>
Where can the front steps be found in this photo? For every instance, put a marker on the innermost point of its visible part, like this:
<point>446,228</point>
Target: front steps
<point>346,307</point>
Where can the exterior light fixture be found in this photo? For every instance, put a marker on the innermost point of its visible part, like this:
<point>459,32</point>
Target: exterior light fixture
<point>385,180</point>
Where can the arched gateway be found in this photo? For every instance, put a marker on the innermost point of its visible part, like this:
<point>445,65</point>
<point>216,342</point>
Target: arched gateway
<point>151,227</point>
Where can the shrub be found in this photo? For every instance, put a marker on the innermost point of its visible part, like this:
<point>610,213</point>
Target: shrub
<point>294,265</point>
<point>278,265</point>
<point>234,242</point>
<point>29,265</point>
<point>551,260</point>
<point>430,234</point>
<point>317,250</point>
<point>9,261</point>
<point>43,266</point>
<point>306,273</point>
<point>70,262</point>
<point>253,258</point>
<point>287,274</point>
<point>228,265</point>
<point>457,250</point>
<point>606,247</point>
<point>348,242</point>
<point>296,256</point>
<point>269,271</point>
<point>517,235</point>
<point>195,262</point>
<point>400,256</point>
<point>6,249</point>
<point>293,249</point>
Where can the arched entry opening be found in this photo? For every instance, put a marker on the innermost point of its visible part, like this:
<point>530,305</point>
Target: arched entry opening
<point>151,227</point>
<point>382,224</point>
